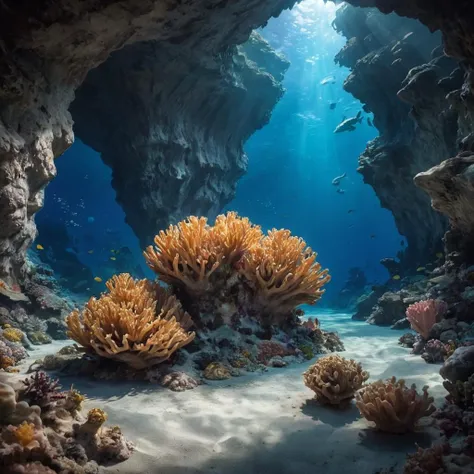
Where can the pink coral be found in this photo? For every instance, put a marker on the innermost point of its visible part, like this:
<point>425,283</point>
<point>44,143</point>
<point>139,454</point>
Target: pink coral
<point>269,349</point>
<point>424,314</point>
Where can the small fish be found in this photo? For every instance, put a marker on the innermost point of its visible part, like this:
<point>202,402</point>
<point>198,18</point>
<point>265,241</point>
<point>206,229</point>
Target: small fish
<point>420,269</point>
<point>40,247</point>
<point>396,277</point>
<point>97,279</point>
<point>332,105</point>
<point>90,219</point>
<point>369,122</point>
<point>337,180</point>
<point>90,252</point>
<point>340,191</point>
<point>328,80</point>
<point>440,254</point>
<point>350,211</point>
<point>402,243</point>
<point>113,258</point>
<point>349,125</point>
<point>372,236</point>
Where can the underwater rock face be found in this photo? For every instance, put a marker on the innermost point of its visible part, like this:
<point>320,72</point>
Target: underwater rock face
<point>171,124</point>
<point>47,50</point>
<point>400,73</point>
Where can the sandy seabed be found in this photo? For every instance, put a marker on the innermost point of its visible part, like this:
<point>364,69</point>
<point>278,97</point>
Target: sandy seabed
<point>264,423</point>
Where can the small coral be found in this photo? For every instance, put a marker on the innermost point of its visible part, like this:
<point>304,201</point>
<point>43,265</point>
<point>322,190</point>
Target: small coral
<point>307,351</point>
<point>96,416</point>
<point>461,393</point>
<point>312,324</point>
<point>269,349</point>
<point>434,351</point>
<point>74,400</point>
<point>25,433</point>
<point>6,362</point>
<point>179,382</point>
<point>12,334</point>
<point>392,406</point>
<point>428,460</point>
<point>335,379</point>
<point>407,340</point>
<point>39,337</point>
<point>42,389</point>
<point>216,371</point>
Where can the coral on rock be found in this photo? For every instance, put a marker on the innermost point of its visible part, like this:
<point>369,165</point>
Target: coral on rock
<point>128,325</point>
<point>424,314</point>
<point>434,351</point>
<point>216,371</point>
<point>392,406</point>
<point>335,380</point>
<point>461,393</point>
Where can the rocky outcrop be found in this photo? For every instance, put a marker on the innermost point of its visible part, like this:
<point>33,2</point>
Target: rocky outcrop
<point>451,188</point>
<point>171,124</point>
<point>402,76</point>
<point>47,51</point>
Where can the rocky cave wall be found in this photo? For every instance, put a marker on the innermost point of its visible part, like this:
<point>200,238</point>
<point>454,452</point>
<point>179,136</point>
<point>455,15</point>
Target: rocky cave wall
<point>47,49</point>
<point>399,71</point>
<point>171,124</point>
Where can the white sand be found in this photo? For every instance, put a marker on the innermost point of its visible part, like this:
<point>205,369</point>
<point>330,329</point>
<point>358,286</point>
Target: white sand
<point>266,423</point>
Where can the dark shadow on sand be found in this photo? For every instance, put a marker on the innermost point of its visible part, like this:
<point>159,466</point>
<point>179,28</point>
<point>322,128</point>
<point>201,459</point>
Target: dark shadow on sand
<point>335,417</point>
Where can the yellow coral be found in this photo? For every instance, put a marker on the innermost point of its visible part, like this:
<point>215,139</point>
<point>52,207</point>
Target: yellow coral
<point>25,433</point>
<point>6,362</point>
<point>284,271</point>
<point>392,406</point>
<point>96,416</point>
<point>216,371</point>
<point>124,324</point>
<point>335,380</point>
<point>188,254</point>
<point>12,334</point>
<point>74,400</point>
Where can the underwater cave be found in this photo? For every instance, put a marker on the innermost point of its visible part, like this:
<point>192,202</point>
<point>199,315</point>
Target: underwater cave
<point>240,232</point>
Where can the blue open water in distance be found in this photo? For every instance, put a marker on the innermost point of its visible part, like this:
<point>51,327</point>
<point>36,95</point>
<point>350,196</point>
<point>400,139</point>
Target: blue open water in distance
<point>292,162</point>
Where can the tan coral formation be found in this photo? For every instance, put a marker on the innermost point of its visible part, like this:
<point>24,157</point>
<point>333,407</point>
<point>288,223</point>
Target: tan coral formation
<point>126,325</point>
<point>284,271</point>
<point>392,406</point>
<point>335,379</point>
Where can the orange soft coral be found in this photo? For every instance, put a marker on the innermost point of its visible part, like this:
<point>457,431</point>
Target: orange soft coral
<point>25,434</point>
<point>189,253</point>
<point>127,326</point>
<point>284,272</point>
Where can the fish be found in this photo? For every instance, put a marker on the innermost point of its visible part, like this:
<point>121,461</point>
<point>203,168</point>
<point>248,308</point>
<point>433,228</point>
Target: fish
<point>328,80</point>
<point>369,122</point>
<point>396,277</point>
<point>407,36</point>
<point>40,247</point>
<point>340,191</point>
<point>420,269</point>
<point>90,219</point>
<point>332,105</point>
<point>97,279</point>
<point>402,243</point>
<point>337,180</point>
<point>113,258</point>
<point>372,236</point>
<point>349,125</point>
<point>350,211</point>
<point>440,254</point>
<point>90,252</point>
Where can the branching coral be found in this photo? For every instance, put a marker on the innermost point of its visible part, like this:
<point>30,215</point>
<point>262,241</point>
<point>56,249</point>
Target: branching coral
<point>335,380</point>
<point>424,314</point>
<point>42,389</point>
<point>124,325</point>
<point>284,272</point>
<point>461,393</point>
<point>392,406</point>
<point>188,254</point>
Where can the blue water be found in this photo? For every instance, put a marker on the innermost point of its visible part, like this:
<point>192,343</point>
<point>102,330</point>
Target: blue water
<point>292,162</point>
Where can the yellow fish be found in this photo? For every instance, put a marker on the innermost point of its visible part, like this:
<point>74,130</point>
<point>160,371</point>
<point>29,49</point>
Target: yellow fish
<point>90,251</point>
<point>396,277</point>
<point>40,247</point>
<point>113,258</point>
<point>440,254</point>
<point>98,279</point>
<point>420,269</point>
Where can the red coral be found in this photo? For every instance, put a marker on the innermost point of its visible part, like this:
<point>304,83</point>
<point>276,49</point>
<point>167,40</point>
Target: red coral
<point>269,349</point>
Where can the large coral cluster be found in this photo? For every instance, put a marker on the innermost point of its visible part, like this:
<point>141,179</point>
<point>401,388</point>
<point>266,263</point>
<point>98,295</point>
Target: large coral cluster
<point>136,322</point>
<point>234,261</point>
<point>54,437</point>
<point>239,285</point>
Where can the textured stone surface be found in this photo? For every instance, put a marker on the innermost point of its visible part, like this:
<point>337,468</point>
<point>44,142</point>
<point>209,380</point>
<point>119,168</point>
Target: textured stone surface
<point>460,366</point>
<point>171,124</point>
<point>390,308</point>
<point>47,50</point>
<point>401,75</point>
